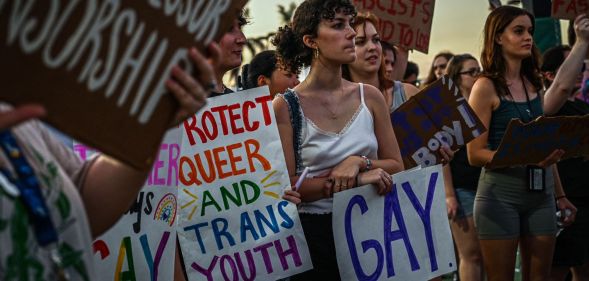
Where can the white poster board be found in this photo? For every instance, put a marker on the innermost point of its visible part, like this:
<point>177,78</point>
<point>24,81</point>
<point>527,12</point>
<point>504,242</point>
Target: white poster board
<point>142,244</point>
<point>233,223</point>
<point>404,235</point>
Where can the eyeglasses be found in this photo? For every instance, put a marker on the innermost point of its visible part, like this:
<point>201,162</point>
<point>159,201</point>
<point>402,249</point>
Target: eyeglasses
<point>471,72</point>
<point>440,66</point>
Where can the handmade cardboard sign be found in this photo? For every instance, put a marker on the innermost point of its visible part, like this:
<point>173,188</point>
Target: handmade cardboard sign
<point>532,142</point>
<point>233,223</point>
<point>405,23</point>
<point>136,247</point>
<point>437,115</point>
<point>404,235</point>
<point>569,9</point>
<point>99,67</point>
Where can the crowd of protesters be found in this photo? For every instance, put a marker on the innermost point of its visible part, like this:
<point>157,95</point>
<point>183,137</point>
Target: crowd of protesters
<point>336,122</point>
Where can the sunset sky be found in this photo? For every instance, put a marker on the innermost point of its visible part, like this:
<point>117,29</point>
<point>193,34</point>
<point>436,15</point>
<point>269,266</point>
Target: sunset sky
<point>457,26</point>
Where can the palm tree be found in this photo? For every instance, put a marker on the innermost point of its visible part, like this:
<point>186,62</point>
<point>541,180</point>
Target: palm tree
<point>255,45</point>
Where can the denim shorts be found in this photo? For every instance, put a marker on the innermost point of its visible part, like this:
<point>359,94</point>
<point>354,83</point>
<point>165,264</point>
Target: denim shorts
<point>465,198</point>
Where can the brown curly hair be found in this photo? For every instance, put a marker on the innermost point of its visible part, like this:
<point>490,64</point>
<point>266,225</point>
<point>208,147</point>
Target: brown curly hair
<point>292,53</point>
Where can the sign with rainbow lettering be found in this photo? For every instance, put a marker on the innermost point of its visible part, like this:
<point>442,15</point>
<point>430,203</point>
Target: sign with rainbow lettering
<point>142,244</point>
<point>233,223</point>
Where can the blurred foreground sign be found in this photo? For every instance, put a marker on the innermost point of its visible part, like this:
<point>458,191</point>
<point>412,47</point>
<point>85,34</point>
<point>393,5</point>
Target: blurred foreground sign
<point>99,66</point>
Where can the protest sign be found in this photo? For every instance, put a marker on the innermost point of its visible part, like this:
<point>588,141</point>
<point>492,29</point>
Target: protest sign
<point>142,244</point>
<point>437,115</point>
<point>135,247</point>
<point>404,23</point>
<point>404,235</point>
<point>569,9</point>
<point>532,142</point>
<point>233,223</point>
<point>99,67</point>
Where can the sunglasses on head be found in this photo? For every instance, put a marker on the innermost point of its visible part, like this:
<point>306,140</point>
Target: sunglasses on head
<point>471,72</point>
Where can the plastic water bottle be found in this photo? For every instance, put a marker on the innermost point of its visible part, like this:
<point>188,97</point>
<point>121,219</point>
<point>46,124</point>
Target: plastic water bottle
<point>560,218</point>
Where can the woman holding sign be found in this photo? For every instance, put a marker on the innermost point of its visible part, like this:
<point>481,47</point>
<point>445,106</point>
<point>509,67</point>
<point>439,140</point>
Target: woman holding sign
<point>562,67</point>
<point>509,209</point>
<point>52,204</point>
<point>461,179</point>
<point>340,130</point>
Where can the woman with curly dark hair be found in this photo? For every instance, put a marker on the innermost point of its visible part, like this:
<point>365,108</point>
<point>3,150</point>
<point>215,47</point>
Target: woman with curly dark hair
<point>338,129</point>
<point>510,211</point>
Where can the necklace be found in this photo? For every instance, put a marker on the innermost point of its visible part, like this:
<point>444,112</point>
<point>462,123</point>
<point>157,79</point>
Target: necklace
<point>333,113</point>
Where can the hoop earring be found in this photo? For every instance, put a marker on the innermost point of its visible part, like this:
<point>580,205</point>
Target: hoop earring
<point>316,52</point>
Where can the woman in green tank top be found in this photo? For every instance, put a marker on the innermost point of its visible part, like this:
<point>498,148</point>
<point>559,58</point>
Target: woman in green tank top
<point>506,214</point>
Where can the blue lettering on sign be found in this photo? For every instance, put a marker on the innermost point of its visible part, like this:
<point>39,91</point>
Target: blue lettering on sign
<point>424,214</point>
<point>366,245</point>
<point>412,141</point>
<point>392,207</point>
<point>392,212</point>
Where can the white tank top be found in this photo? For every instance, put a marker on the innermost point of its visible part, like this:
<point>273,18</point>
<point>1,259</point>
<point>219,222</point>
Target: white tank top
<point>321,150</point>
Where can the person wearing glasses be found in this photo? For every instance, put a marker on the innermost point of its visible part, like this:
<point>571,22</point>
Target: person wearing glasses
<point>461,179</point>
<point>438,67</point>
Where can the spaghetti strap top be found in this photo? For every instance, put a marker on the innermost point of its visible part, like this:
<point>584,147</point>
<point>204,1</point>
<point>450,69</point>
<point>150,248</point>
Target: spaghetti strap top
<point>398,96</point>
<point>321,150</point>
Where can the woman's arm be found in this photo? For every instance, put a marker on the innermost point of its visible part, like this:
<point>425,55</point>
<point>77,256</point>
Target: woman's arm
<point>483,100</point>
<point>389,153</point>
<point>312,189</point>
<point>562,202</point>
<point>410,90</point>
<point>564,82</point>
<point>111,183</point>
<point>451,202</point>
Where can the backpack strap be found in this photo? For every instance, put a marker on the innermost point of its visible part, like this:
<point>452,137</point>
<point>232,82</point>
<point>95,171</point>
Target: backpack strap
<point>296,120</point>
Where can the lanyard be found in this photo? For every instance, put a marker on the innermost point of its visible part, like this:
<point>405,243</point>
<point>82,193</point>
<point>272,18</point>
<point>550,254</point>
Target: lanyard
<point>529,110</point>
<point>30,192</point>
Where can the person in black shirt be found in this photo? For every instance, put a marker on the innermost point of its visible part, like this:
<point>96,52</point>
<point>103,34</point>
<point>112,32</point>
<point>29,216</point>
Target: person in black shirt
<point>461,180</point>
<point>562,77</point>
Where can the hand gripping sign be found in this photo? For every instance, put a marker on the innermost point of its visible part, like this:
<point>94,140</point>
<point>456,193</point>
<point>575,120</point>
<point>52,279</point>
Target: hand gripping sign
<point>99,66</point>
<point>404,235</point>
<point>438,115</point>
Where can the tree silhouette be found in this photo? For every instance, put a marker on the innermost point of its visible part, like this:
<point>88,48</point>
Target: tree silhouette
<point>258,44</point>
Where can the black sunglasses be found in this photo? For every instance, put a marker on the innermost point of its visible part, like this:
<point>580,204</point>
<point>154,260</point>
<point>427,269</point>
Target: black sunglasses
<point>471,72</point>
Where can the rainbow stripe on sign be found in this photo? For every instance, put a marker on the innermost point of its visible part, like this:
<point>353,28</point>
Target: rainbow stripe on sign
<point>166,209</point>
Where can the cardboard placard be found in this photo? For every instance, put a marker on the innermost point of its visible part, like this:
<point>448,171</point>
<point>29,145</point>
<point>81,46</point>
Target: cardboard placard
<point>137,247</point>
<point>532,142</point>
<point>233,223</point>
<point>99,67</point>
<point>569,9</point>
<point>437,114</point>
<point>405,23</point>
<point>404,235</point>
